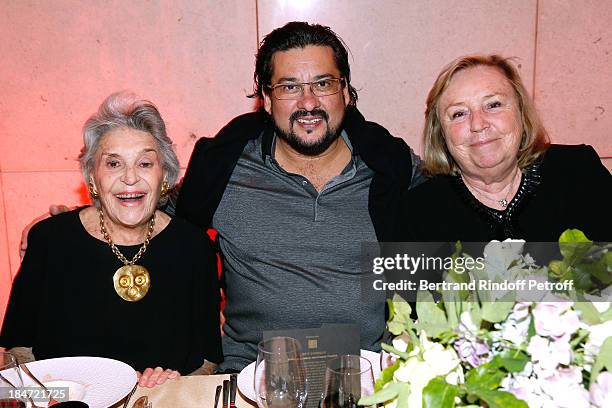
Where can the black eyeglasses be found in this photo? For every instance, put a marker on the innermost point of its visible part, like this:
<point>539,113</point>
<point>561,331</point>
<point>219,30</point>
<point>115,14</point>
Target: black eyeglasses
<point>295,90</point>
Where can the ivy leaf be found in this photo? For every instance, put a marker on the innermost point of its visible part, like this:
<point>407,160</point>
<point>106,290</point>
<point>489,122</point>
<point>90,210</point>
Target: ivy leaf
<point>439,394</point>
<point>386,394</point>
<point>603,360</point>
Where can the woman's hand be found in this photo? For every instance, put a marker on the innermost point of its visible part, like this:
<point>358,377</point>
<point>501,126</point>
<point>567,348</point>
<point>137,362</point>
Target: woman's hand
<point>152,377</point>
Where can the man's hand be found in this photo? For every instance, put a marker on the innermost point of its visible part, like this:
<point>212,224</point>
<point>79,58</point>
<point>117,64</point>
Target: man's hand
<point>151,377</point>
<point>53,210</point>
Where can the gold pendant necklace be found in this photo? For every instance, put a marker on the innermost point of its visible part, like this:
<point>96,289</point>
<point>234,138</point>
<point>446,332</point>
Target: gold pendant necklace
<point>132,282</point>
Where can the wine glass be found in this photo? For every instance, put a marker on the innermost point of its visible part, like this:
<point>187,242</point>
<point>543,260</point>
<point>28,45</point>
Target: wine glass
<point>280,376</point>
<point>347,379</point>
<point>11,382</point>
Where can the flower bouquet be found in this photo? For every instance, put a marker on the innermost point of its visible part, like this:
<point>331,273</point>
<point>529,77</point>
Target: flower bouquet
<point>476,348</point>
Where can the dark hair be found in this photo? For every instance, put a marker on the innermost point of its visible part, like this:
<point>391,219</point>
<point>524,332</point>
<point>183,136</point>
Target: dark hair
<point>299,34</point>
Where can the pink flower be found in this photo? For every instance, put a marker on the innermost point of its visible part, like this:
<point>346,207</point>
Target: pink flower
<point>601,390</point>
<point>555,319</point>
<point>564,386</point>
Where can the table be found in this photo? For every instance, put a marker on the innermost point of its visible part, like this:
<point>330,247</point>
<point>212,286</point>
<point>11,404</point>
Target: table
<point>197,391</point>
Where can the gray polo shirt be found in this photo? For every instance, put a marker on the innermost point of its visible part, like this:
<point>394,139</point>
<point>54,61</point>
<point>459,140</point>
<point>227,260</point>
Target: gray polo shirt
<point>291,254</point>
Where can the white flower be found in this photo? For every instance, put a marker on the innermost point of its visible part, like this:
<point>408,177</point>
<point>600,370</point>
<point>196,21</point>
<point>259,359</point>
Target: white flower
<point>549,354</point>
<point>515,331</point>
<point>601,390</point>
<point>500,255</point>
<point>401,342</point>
<point>564,386</point>
<point>417,372</point>
<point>529,390</point>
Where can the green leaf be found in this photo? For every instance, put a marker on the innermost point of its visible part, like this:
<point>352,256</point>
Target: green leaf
<point>400,306</point>
<point>582,278</point>
<point>512,360</point>
<point>597,269</point>
<point>603,360</point>
<point>386,394</point>
<point>499,399</point>
<point>432,318</point>
<point>386,376</point>
<point>399,312</point>
<point>485,376</point>
<point>402,398</point>
<point>574,245</point>
<point>607,314</point>
<point>475,313</point>
<point>573,236</point>
<point>558,268</point>
<point>439,394</point>
<point>588,312</point>
<point>452,305</point>
<point>531,331</point>
<point>390,349</point>
<point>496,311</point>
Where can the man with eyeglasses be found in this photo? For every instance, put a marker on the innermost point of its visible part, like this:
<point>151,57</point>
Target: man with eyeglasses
<point>293,190</point>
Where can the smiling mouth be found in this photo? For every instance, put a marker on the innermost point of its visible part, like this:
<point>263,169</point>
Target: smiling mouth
<point>310,121</point>
<point>482,142</point>
<point>130,197</point>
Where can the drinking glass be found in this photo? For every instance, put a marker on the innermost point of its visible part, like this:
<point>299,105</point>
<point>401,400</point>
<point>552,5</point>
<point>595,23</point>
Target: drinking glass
<point>10,382</point>
<point>280,376</point>
<point>347,379</point>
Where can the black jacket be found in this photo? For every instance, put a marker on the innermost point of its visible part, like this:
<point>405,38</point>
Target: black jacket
<point>571,189</point>
<point>213,161</point>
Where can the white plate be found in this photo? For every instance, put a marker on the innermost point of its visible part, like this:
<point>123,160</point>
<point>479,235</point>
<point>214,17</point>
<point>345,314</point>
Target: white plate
<point>99,382</point>
<point>247,387</point>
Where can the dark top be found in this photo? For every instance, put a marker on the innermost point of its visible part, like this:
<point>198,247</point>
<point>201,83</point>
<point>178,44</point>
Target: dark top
<point>213,160</point>
<point>568,188</point>
<point>63,302</point>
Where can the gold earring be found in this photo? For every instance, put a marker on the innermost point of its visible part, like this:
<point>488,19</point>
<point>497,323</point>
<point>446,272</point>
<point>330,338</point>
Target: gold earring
<point>92,190</point>
<point>165,188</point>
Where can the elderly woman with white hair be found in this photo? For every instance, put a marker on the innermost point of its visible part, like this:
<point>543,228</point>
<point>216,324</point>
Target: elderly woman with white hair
<point>120,279</point>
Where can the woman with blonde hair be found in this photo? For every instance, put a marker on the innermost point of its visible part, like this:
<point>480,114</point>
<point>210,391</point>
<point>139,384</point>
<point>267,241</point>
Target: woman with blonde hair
<point>495,174</point>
